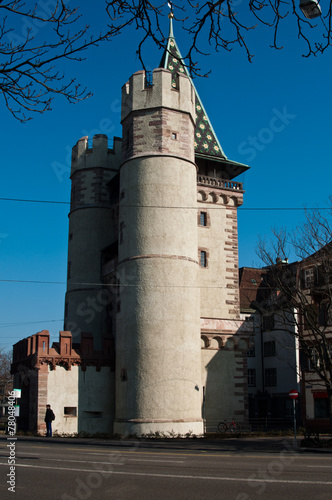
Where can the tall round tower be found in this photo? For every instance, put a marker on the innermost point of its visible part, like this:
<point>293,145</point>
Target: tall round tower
<point>158,373</point>
<point>90,232</point>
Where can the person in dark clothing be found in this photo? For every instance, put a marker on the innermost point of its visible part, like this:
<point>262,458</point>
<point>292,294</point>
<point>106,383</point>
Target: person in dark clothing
<point>49,417</point>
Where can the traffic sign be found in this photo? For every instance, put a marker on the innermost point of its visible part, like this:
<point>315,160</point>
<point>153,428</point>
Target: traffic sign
<point>293,394</point>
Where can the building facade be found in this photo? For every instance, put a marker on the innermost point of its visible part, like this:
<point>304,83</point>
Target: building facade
<point>273,355</point>
<point>153,340</point>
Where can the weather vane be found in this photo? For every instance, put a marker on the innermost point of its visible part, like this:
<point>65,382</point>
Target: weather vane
<point>171,8</point>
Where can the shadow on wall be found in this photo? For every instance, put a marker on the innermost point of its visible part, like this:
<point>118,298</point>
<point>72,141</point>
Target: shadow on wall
<point>221,400</point>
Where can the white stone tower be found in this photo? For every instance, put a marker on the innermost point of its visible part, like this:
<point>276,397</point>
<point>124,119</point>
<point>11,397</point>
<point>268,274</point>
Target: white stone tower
<point>158,374</point>
<point>90,231</point>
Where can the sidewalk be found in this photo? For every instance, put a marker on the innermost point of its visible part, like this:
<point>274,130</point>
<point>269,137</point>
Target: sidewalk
<point>239,445</point>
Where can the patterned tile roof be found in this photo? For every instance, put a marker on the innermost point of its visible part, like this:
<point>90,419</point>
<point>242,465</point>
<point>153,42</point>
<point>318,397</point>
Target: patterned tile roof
<point>206,141</point>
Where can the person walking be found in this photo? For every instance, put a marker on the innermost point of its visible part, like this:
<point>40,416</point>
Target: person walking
<point>49,417</point>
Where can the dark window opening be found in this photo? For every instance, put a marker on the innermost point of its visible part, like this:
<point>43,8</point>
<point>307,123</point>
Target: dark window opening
<point>270,377</point>
<point>251,377</point>
<point>203,258</point>
<point>70,411</point>
<point>203,219</point>
<point>268,323</point>
<point>270,348</point>
<point>123,375</point>
<point>321,407</point>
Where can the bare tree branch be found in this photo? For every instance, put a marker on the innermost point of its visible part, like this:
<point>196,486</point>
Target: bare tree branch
<point>29,73</point>
<point>303,289</point>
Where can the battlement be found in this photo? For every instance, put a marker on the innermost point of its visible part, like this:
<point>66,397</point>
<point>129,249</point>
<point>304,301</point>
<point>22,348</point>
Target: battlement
<point>100,154</point>
<point>36,350</point>
<point>136,95</point>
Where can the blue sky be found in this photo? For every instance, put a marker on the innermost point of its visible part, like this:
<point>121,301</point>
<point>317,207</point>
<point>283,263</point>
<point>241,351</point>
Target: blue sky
<point>273,114</point>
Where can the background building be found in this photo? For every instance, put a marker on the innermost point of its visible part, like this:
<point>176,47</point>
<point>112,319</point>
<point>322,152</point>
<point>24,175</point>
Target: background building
<point>273,356</point>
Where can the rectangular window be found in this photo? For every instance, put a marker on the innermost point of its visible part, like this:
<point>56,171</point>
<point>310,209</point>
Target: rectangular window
<point>70,411</point>
<point>313,360</point>
<point>309,277</point>
<point>251,351</point>
<point>321,407</point>
<point>270,377</point>
<point>310,319</point>
<point>323,316</point>
<point>251,377</point>
<point>203,218</point>
<point>268,323</point>
<point>270,348</point>
<point>203,260</point>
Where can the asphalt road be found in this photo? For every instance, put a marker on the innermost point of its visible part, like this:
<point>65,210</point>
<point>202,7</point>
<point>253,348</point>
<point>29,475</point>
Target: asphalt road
<point>231,469</point>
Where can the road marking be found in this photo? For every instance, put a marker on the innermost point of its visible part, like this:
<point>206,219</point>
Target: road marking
<point>194,453</point>
<point>179,476</point>
<point>320,466</point>
<point>148,459</point>
<point>78,461</point>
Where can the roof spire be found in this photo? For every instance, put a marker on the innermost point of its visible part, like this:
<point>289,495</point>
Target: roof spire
<point>170,17</point>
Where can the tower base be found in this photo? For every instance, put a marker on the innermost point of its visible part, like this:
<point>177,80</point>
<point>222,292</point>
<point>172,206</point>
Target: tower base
<point>168,428</point>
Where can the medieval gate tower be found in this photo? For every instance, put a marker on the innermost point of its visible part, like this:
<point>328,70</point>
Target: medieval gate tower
<point>153,340</point>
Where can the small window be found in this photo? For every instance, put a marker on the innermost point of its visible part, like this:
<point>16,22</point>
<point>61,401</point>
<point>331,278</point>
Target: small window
<point>203,219</point>
<point>70,411</point>
<point>270,348</point>
<point>313,360</point>
<point>123,375</point>
<point>311,316</point>
<point>321,408</point>
<point>174,136</point>
<point>203,258</point>
<point>268,323</point>
<point>271,377</point>
<point>251,377</point>
<point>251,351</point>
<point>309,277</point>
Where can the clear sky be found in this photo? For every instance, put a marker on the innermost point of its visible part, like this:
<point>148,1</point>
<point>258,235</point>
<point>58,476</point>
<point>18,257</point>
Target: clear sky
<point>273,114</point>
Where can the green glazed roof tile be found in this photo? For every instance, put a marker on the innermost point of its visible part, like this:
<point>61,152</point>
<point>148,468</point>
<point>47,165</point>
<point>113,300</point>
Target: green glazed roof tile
<point>206,141</point>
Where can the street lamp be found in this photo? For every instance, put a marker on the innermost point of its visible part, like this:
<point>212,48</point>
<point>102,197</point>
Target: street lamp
<point>310,8</point>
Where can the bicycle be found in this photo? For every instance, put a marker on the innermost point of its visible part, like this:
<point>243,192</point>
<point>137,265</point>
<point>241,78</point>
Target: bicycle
<point>227,426</point>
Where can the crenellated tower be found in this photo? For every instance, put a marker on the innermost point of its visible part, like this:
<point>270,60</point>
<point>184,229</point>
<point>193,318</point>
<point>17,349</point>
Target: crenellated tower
<point>158,322</point>
<point>94,194</point>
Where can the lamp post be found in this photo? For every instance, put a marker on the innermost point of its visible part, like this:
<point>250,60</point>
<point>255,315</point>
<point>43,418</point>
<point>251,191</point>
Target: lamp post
<point>294,395</point>
<point>310,8</point>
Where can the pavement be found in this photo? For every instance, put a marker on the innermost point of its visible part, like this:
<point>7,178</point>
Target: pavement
<point>241,444</point>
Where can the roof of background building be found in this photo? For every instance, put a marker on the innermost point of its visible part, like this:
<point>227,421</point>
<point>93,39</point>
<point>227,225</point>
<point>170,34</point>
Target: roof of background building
<point>250,279</point>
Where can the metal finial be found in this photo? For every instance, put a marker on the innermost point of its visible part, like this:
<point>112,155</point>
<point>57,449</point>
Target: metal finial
<point>170,17</point>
